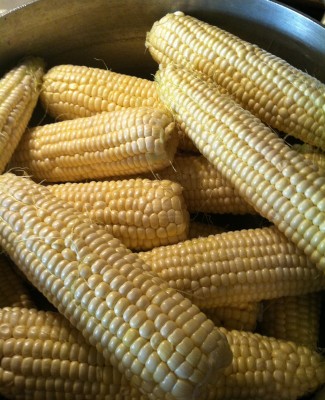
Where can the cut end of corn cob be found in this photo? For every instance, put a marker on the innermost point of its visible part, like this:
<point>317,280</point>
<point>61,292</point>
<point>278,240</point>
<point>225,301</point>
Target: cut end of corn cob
<point>123,142</point>
<point>19,92</point>
<point>149,331</point>
<point>142,213</point>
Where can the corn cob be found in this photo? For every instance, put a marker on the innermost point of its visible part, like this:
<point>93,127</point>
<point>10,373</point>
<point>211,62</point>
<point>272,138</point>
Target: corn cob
<point>44,357</point>
<point>205,190</point>
<point>30,339</point>
<point>316,156</point>
<point>202,229</point>
<point>13,291</point>
<point>236,267</point>
<point>277,181</point>
<point>295,318</point>
<point>279,94</point>
<point>150,332</point>
<point>122,142</point>
<point>268,369</point>
<point>242,317</point>
<point>141,213</point>
<point>72,91</point>
<point>19,91</point>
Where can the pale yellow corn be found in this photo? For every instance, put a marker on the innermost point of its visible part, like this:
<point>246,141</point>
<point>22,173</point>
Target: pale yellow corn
<point>313,154</point>
<point>73,91</point>
<point>140,212</point>
<point>277,181</point>
<point>295,318</point>
<point>205,190</point>
<point>284,97</point>
<point>266,368</point>
<point>157,338</point>
<point>13,290</point>
<point>19,92</point>
<point>44,358</point>
<point>236,267</point>
<point>242,317</point>
<point>202,229</point>
<point>123,142</point>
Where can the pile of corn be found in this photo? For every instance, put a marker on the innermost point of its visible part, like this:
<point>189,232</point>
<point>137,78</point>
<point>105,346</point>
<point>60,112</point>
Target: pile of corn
<point>112,286</point>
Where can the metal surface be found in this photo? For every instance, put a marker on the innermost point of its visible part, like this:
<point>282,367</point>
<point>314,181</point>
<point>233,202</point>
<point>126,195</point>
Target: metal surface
<point>112,32</point>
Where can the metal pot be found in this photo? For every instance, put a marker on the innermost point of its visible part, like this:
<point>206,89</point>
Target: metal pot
<point>112,32</point>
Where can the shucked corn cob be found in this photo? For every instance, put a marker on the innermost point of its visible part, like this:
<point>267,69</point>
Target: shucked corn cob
<point>123,142</point>
<point>236,267</point>
<point>19,91</point>
<point>162,342</point>
<point>43,357</point>
<point>295,318</point>
<point>242,317</point>
<point>13,291</point>
<point>141,213</point>
<point>205,190</point>
<point>73,91</point>
<point>277,181</point>
<point>276,92</point>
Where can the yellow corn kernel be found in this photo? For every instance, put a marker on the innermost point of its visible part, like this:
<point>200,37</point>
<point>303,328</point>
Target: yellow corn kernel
<point>277,181</point>
<point>234,267</point>
<point>123,142</point>
<point>295,318</point>
<point>140,212</point>
<point>13,290</point>
<point>284,97</point>
<point>205,190</point>
<point>108,293</point>
<point>242,317</point>
<point>73,91</point>
<point>19,92</point>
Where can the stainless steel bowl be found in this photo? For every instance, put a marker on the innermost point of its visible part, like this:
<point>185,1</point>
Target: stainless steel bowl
<point>112,32</point>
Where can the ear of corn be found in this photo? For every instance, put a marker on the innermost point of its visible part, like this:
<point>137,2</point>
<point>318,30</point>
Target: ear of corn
<point>140,212</point>
<point>276,92</point>
<point>73,91</point>
<point>266,368</point>
<point>122,142</point>
<point>44,357</point>
<point>13,291</point>
<point>277,181</point>
<point>295,318</point>
<point>236,267</point>
<point>147,330</point>
<point>242,317</point>
<point>19,91</point>
<point>205,190</point>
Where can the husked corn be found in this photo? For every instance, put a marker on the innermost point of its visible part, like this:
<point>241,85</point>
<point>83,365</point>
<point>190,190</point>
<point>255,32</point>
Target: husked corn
<point>205,190</point>
<point>44,357</point>
<point>13,291</point>
<point>284,97</point>
<point>19,92</point>
<point>295,318</point>
<point>242,317</point>
<point>157,338</point>
<point>73,91</point>
<point>236,267</point>
<point>277,181</point>
<point>123,142</point>
<point>140,212</point>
